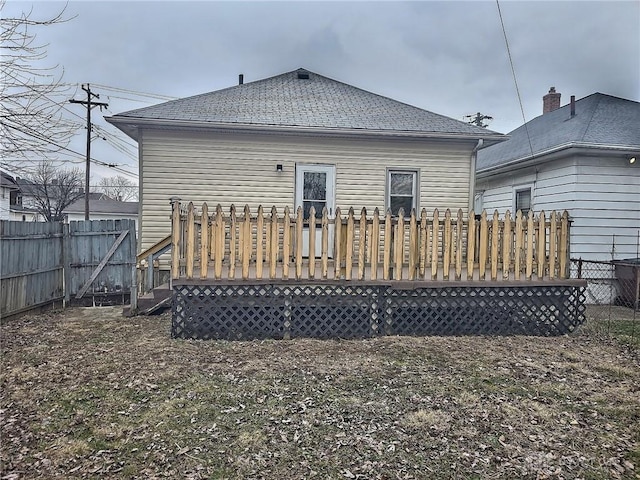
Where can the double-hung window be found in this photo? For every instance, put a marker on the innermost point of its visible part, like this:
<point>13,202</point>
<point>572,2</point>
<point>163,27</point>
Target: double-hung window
<point>402,191</point>
<point>522,200</point>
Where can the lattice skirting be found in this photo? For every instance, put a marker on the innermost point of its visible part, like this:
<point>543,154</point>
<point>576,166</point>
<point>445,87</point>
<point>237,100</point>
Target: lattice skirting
<point>242,311</point>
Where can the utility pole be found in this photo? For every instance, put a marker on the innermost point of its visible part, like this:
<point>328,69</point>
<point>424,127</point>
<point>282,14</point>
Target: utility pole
<point>89,104</point>
<point>478,119</point>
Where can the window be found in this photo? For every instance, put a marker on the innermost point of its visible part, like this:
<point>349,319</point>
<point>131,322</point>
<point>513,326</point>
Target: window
<point>402,191</point>
<point>522,200</point>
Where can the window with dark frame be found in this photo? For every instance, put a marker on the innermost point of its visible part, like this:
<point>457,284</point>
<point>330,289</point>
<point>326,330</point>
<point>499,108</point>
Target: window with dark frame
<point>523,200</point>
<point>402,191</point>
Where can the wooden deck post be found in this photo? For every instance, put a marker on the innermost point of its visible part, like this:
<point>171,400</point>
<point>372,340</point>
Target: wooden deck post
<point>190,242</point>
<point>348,263</point>
<point>337,247</point>
<point>484,245</point>
<point>232,242</point>
<point>362,243</point>
<point>324,255</point>
<point>286,243</point>
<point>553,244</point>
<point>542,243</point>
<point>204,242</point>
<point>260,241</point>
<point>413,245</point>
<point>564,245</point>
<point>299,225</point>
<point>176,231</point>
<point>388,239</point>
<point>273,252</point>
<point>398,247</point>
<point>446,245</point>
<point>244,246</point>
<point>530,236</point>
<point>459,223</point>
<point>434,245</point>
<point>312,242</point>
<point>219,243</point>
<point>471,243</point>
<point>495,231</point>
<point>506,245</point>
<point>375,243</point>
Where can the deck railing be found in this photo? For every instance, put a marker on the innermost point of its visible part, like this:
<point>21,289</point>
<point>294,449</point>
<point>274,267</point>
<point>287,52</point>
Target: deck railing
<point>276,245</point>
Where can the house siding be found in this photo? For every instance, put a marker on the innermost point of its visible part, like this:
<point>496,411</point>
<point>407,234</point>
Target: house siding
<point>4,203</point>
<point>602,195</point>
<point>228,168</point>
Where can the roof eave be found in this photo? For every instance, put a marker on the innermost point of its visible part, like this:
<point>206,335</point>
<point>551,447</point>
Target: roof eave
<point>552,154</point>
<point>129,125</point>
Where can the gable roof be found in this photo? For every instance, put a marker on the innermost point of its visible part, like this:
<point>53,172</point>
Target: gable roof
<point>7,181</point>
<point>104,204</point>
<point>600,121</point>
<point>289,101</point>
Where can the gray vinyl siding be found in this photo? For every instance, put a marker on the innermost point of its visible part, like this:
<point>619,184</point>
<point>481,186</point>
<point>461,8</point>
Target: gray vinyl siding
<point>241,169</point>
<point>602,195</point>
<point>607,211</point>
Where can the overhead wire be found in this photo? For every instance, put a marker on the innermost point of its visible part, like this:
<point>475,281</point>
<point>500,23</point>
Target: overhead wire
<point>515,81</point>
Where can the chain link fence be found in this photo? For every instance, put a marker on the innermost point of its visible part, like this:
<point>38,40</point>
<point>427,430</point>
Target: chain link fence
<point>612,297</point>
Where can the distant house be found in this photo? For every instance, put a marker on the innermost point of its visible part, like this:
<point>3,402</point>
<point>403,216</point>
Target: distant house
<point>583,157</point>
<point>102,207</point>
<point>8,188</point>
<point>299,139</point>
<point>11,207</point>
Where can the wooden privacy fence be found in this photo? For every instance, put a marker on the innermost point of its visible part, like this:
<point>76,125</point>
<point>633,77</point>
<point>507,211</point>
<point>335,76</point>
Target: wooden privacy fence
<point>42,263</point>
<point>270,245</point>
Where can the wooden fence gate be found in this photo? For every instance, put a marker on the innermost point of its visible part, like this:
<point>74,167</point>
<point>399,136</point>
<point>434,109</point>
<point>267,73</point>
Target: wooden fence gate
<point>48,262</point>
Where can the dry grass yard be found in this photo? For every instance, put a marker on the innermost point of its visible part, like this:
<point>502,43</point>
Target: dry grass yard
<point>86,393</point>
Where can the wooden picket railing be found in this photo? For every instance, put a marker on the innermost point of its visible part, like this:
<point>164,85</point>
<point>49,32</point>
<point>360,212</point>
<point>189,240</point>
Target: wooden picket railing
<point>268,245</point>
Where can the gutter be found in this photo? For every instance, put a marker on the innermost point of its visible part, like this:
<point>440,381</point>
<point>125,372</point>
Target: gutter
<point>472,173</point>
<point>529,160</point>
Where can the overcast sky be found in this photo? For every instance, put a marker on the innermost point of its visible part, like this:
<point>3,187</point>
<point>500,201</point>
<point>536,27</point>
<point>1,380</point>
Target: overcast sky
<point>446,57</point>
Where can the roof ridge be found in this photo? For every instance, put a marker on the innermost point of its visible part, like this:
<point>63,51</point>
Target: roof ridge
<point>593,114</point>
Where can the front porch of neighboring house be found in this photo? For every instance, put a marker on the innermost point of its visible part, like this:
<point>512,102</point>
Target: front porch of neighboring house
<point>270,274</point>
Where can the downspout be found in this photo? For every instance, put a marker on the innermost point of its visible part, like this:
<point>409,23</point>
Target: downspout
<point>472,174</point>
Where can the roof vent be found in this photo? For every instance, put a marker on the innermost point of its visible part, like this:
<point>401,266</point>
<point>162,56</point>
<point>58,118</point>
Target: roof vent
<point>302,75</point>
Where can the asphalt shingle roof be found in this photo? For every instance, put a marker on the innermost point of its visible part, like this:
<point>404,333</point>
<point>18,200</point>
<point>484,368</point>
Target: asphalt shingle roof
<point>104,205</point>
<point>288,101</point>
<point>599,120</point>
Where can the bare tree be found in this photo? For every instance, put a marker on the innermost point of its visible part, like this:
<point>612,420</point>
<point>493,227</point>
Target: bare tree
<point>119,188</point>
<point>53,189</point>
<point>31,97</point>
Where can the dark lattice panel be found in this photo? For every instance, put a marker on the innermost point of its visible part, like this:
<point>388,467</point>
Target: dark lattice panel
<point>223,312</point>
<point>360,311</point>
<point>547,310</point>
<point>343,311</point>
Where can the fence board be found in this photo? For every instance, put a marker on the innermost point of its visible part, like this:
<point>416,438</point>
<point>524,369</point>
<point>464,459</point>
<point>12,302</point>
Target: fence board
<point>407,248</point>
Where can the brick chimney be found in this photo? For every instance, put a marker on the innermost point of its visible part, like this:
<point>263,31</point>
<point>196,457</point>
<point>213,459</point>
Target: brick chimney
<point>551,101</point>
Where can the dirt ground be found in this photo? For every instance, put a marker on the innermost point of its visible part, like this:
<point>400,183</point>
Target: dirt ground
<point>86,393</point>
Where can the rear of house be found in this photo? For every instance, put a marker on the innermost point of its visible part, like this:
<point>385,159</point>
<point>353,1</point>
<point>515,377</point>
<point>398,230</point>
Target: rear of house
<point>299,139</point>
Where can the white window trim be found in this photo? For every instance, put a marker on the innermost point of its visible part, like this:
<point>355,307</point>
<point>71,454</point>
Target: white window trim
<point>416,188</point>
<point>520,188</point>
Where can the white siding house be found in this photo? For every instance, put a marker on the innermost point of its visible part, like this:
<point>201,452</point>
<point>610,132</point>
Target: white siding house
<point>298,139</point>
<point>580,158</point>
<point>102,208</point>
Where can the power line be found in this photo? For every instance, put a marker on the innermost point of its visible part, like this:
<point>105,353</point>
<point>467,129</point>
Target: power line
<point>134,92</point>
<point>513,71</point>
<point>97,162</point>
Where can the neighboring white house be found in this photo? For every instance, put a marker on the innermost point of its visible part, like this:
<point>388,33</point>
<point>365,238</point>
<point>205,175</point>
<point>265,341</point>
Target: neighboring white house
<point>299,139</point>
<point>7,186</point>
<point>102,208</point>
<point>11,207</point>
<point>584,158</point>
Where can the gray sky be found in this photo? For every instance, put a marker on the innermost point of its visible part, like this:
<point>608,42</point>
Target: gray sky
<point>446,57</point>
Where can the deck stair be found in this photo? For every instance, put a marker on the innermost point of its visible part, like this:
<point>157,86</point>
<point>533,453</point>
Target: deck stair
<point>153,298</point>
